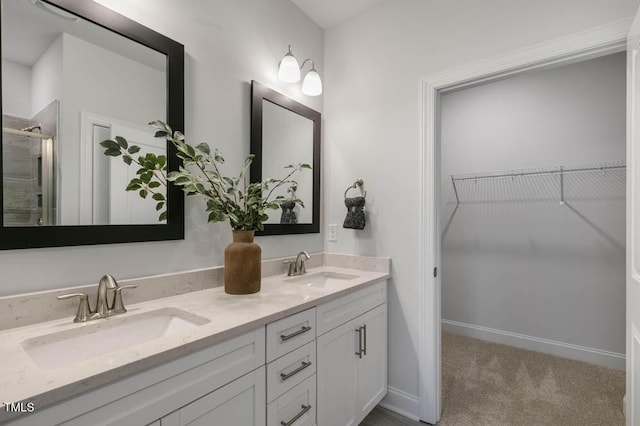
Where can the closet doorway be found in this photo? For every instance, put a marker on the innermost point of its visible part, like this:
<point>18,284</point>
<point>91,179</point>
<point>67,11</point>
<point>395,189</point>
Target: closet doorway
<point>595,43</point>
<point>533,190</point>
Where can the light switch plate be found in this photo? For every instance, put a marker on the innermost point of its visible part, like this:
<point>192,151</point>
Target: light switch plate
<point>333,232</point>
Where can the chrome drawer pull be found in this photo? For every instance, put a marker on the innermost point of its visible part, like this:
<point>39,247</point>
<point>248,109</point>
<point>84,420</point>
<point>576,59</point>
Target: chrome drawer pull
<point>294,334</point>
<point>305,408</point>
<point>364,349</point>
<point>304,365</point>
<point>361,351</point>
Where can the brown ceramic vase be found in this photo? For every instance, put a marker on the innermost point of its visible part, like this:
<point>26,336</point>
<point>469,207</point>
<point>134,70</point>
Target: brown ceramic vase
<point>242,264</point>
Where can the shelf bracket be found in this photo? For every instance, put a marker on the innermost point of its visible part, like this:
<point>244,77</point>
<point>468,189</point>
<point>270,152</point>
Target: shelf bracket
<point>562,185</point>
<point>455,191</point>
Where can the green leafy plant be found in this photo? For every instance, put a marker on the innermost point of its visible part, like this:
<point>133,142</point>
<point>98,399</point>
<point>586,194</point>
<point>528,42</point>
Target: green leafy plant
<point>244,204</point>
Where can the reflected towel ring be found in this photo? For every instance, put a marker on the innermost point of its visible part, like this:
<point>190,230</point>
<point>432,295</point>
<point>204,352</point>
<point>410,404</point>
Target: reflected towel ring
<point>357,183</point>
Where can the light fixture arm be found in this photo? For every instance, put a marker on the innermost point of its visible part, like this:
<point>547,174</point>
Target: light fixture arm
<point>313,65</point>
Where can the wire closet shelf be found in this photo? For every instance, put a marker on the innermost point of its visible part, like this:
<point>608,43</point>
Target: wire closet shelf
<point>558,171</point>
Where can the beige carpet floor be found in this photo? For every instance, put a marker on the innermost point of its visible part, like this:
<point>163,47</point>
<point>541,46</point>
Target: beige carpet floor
<point>486,384</point>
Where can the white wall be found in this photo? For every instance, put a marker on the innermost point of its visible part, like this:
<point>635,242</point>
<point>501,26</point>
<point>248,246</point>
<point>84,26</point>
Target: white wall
<point>16,89</point>
<point>373,66</point>
<point>46,78</point>
<point>227,44</point>
<point>92,81</point>
<point>513,258</point>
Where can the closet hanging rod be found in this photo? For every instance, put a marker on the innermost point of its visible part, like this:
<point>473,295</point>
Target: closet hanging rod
<point>557,171</point>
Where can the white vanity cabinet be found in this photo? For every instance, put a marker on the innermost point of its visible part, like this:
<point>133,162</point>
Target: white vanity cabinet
<point>338,354</point>
<point>240,403</point>
<point>324,366</point>
<point>352,356</point>
<point>372,367</point>
<point>223,374</point>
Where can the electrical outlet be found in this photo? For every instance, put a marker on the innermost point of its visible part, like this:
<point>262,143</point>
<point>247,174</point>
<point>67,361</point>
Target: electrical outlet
<point>333,232</point>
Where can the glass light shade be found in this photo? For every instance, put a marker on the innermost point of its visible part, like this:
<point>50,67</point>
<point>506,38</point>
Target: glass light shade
<point>289,70</point>
<point>312,85</point>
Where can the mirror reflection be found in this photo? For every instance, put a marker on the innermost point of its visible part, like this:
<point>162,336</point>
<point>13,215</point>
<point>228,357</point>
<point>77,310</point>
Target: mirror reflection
<point>68,84</point>
<point>286,132</point>
<point>287,138</point>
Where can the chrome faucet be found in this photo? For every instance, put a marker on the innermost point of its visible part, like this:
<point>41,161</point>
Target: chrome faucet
<point>102,310</point>
<point>297,267</point>
<point>102,307</point>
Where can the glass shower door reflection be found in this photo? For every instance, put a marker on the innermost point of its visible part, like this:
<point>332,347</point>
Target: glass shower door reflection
<point>29,169</point>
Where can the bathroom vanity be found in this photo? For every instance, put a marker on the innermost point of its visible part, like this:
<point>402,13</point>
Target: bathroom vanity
<point>305,350</point>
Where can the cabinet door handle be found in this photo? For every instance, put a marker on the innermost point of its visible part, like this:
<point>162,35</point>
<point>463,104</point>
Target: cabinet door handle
<point>360,350</point>
<point>304,365</point>
<point>364,349</point>
<point>305,408</point>
<point>304,329</point>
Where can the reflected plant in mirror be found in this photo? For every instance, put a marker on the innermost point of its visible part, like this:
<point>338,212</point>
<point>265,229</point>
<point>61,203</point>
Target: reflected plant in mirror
<point>244,204</point>
<point>288,205</point>
<point>151,176</point>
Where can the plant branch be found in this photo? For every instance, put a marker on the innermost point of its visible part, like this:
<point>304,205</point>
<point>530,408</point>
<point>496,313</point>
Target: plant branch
<point>202,170</point>
<point>157,173</point>
<point>235,199</point>
<point>279,184</point>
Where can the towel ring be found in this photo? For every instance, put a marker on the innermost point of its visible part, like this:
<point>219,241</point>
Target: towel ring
<point>356,184</point>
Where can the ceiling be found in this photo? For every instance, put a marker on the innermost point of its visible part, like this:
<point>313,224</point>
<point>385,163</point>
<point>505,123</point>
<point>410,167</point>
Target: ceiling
<point>31,30</point>
<point>328,13</point>
<point>28,30</point>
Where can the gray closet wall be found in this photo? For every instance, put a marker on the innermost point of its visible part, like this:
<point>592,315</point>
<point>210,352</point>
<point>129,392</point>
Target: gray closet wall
<point>517,266</point>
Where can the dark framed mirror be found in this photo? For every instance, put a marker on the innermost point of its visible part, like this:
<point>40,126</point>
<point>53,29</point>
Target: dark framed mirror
<point>283,132</point>
<point>73,74</point>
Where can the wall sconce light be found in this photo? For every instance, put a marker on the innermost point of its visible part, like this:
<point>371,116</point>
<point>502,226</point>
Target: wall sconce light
<point>289,72</point>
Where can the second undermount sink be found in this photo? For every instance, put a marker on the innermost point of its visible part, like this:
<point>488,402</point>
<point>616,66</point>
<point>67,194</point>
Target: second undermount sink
<point>97,338</point>
<point>323,279</point>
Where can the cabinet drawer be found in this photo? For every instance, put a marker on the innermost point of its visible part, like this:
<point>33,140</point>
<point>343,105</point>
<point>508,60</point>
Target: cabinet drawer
<point>337,312</point>
<point>290,370</point>
<point>290,333</point>
<point>296,407</point>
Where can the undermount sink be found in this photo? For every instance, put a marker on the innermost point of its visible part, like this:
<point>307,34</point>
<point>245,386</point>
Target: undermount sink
<point>103,336</point>
<point>322,279</point>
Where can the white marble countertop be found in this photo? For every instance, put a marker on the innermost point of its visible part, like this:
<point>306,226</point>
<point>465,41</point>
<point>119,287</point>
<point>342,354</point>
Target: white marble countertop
<point>21,379</point>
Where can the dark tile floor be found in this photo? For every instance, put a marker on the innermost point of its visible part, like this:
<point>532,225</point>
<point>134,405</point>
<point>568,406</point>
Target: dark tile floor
<point>382,417</point>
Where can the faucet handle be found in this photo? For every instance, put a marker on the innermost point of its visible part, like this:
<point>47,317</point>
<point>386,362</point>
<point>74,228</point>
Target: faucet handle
<point>84,311</point>
<point>117,306</point>
<point>292,267</point>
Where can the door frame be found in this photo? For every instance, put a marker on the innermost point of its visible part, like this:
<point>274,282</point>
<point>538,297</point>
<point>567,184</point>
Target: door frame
<point>595,42</point>
<point>633,273</point>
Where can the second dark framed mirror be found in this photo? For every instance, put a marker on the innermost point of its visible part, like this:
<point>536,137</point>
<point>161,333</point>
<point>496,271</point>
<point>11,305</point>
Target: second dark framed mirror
<point>283,132</point>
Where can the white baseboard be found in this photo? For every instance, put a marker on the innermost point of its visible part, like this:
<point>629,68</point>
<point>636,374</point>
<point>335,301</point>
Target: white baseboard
<point>551,347</point>
<point>402,403</point>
